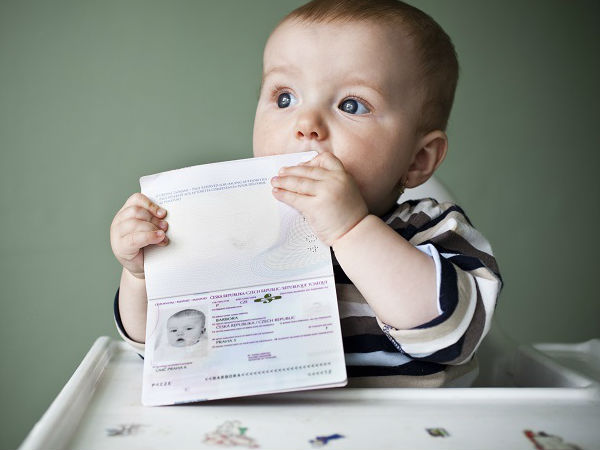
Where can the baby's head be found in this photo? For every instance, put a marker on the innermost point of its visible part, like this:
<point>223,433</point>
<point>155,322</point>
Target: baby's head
<point>371,81</point>
<point>185,327</point>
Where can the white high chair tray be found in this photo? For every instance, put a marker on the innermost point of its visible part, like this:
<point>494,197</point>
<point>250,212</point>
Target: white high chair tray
<point>100,408</point>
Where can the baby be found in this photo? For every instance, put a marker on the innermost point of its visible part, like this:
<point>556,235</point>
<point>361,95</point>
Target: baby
<point>369,85</point>
<point>185,328</point>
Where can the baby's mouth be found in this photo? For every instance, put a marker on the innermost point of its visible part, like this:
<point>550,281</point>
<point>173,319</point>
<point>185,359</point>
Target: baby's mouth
<point>180,340</point>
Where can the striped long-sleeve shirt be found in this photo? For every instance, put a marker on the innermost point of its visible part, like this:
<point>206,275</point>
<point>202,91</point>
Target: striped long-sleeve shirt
<point>468,283</point>
<point>436,353</point>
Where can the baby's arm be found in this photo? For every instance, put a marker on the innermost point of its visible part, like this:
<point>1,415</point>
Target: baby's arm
<point>137,224</point>
<point>395,278</point>
<point>133,302</point>
<point>468,282</point>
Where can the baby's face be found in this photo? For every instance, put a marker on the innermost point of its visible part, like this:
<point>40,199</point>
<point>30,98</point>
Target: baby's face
<point>346,88</point>
<point>184,331</point>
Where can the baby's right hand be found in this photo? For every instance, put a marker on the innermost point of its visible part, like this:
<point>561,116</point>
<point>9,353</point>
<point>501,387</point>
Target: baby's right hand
<point>137,225</point>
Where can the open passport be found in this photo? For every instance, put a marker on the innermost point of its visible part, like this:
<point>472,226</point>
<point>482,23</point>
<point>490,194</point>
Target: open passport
<point>242,301</point>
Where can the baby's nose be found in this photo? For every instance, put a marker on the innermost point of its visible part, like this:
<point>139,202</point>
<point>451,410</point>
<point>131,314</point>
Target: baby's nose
<point>311,125</point>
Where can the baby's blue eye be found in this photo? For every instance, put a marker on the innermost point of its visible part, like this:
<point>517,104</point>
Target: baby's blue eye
<point>286,99</point>
<point>352,106</point>
<point>189,328</point>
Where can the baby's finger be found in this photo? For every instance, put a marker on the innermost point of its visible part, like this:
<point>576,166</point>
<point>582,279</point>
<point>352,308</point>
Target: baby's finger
<point>314,172</point>
<point>164,242</point>
<point>140,239</point>
<point>300,185</point>
<point>295,200</point>
<point>139,213</point>
<point>326,160</point>
<point>139,199</point>
<point>132,225</point>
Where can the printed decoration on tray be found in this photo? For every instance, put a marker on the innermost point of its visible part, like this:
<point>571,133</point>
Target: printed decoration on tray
<point>230,434</point>
<point>320,441</point>
<point>124,430</point>
<point>437,432</point>
<point>544,441</point>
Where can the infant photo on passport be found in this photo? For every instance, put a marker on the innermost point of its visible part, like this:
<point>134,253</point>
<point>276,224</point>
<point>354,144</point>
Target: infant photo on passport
<point>182,336</point>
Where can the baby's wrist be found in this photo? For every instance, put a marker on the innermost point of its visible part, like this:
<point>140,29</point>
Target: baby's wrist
<point>340,240</point>
<point>138,276</point>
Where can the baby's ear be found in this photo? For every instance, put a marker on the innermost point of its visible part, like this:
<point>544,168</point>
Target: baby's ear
<point>430,153</point>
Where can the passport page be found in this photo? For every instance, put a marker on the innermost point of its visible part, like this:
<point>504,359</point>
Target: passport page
<point>242,301</point>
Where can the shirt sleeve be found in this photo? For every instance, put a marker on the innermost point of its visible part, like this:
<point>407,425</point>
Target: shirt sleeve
<point>468,282</point>
<point>137,346</point>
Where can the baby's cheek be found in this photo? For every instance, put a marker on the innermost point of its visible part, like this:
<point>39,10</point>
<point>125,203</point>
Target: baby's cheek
<point>360,179</point>
<point>269,138</point>
<point>267,152</point>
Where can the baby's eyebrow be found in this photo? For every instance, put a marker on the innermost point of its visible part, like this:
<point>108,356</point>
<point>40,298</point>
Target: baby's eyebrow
<point>357,81</point>
<point>352,80</point>
<point>278,69</point>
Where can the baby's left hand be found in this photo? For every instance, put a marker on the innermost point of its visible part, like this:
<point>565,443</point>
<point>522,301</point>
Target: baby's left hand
<point>324,193</point>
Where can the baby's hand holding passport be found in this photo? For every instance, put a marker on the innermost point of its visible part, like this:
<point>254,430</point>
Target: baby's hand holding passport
<point>324,193</point>
<point>139,223</point>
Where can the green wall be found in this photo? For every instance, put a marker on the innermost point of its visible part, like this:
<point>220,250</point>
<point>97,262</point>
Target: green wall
<point>95,94</point>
